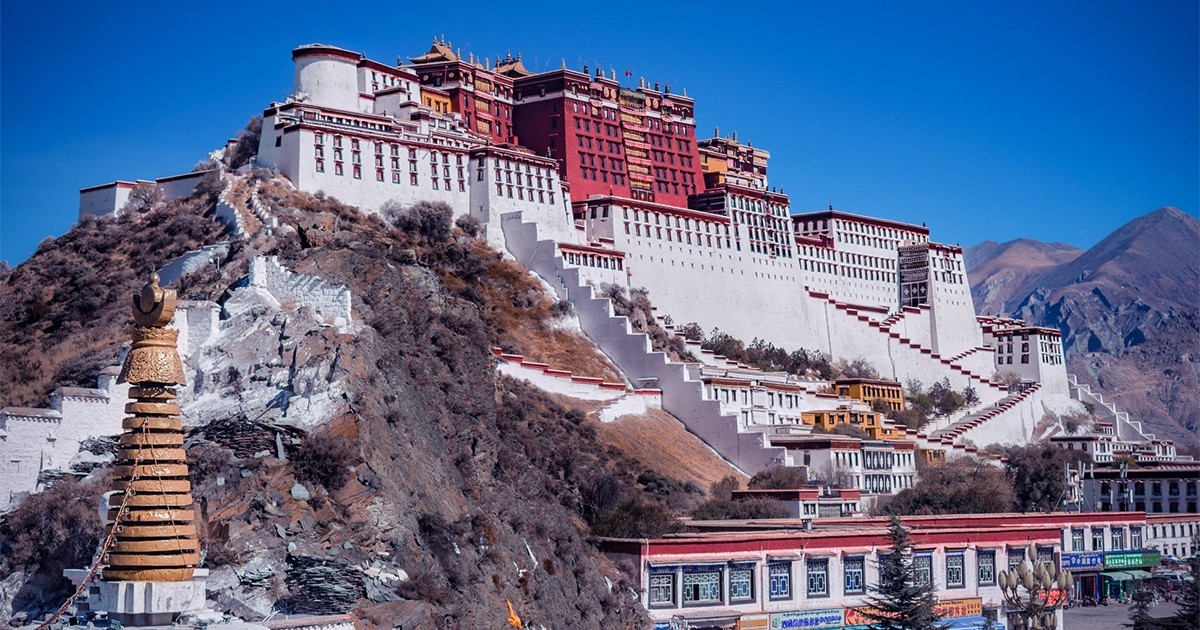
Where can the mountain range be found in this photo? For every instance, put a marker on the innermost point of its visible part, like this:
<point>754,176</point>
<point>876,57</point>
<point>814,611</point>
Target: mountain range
<point>1128,308</point>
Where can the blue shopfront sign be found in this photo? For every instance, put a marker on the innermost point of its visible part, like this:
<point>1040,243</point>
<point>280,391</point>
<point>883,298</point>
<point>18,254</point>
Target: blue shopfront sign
<point>808,619</point>
<point>1083,561</point>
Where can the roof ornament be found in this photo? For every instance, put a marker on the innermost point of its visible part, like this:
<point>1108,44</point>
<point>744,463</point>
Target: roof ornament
<point>586,68</point>
<point>564,63</point>
<point>716,132</point>
<point>656,86</point>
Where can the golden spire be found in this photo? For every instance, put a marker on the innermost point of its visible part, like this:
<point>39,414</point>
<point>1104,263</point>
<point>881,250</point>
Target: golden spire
<point>156,535</point>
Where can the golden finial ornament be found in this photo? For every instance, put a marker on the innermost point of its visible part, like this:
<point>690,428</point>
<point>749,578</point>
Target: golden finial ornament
<point>155,536</point>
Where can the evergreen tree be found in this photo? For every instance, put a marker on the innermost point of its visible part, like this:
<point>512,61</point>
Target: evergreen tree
<point>1188,615</point>
<point>1139,610</point>
<point>898,602</point>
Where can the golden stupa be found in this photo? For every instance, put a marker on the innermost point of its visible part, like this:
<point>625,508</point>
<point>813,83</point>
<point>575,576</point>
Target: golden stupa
<point>155,537</point>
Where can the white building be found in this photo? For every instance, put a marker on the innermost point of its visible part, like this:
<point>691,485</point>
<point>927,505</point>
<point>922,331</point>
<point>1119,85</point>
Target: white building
<point>818,573</point>
<point>39,441</point>
<point>872,466</point>
<point>1175,535</point>
<point>1154,488</point>
<point>109,199</point>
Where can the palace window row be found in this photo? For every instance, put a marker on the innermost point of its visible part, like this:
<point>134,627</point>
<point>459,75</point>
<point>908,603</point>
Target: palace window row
<point>594,260</point>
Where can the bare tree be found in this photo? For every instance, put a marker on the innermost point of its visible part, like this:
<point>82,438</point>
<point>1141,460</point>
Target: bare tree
<point>143,198</point>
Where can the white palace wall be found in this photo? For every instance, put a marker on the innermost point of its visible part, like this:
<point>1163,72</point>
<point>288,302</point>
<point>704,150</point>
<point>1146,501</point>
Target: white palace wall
<point>751,295</point>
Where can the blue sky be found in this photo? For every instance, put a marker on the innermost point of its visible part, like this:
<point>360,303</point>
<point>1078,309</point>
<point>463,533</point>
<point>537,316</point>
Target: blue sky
<point>1051,120</point>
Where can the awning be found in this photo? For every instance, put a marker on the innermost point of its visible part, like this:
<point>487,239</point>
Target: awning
<point>1119,576</point>
<point>1139,575</point>
<point>964,623</point>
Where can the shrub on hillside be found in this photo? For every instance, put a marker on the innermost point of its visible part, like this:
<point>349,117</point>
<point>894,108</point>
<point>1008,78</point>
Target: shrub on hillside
<point>637,307</point>
<point>761,354</point>
<point>65,309</point>
<point>635,518</point>
<point>716,509</point>
<point>777,477</point>
<point>246,146</point>
<point>323,459</point>
<point>676,494</point>
<point>143,198</point>
<point>470,224</point>
<point>428,222</point>
<point>848,430</point>
<point>856,368</point>
<point>56,529</point>
<point>723,490</point>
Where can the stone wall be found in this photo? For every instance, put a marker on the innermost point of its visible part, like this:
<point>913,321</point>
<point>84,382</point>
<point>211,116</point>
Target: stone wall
<point>192,261</point>
<point>329,301</point>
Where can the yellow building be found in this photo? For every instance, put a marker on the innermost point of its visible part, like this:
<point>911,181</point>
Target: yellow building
<point>871,389</point>
<point>868,421</point>
<point>437,100</point>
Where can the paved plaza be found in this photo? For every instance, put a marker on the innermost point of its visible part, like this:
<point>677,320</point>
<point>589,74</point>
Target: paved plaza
<point>1111,617</point>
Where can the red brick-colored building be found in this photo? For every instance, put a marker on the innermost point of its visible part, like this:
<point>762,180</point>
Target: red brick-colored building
<point>610,140</point>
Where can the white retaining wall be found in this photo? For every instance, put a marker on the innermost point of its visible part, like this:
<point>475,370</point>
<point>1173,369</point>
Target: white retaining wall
<point>330,301</point>
<point>192,261</point>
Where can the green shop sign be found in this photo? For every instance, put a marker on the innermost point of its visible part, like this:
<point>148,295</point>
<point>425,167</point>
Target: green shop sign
<point>1126,560</point>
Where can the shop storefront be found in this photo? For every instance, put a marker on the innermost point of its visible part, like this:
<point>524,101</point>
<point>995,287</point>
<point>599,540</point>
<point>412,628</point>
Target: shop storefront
<point>1085,568</point>
<point>1123,569</point>
<point>956,614</point>
<point>807,619</point>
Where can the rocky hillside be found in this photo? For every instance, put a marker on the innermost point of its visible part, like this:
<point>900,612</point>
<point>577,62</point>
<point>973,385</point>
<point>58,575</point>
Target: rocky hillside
<point>1129,309</point>
<point>998,270</point>
<point>431,490</point>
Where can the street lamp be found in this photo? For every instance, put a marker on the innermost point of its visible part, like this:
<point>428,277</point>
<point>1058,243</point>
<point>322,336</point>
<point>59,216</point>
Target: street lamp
<point>1040,581</point>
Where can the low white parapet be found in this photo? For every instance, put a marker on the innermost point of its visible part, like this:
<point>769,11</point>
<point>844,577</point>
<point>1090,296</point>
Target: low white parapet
<point>144,603</point>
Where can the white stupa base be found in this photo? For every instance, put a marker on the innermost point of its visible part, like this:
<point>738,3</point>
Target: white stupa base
<point>144,603</point>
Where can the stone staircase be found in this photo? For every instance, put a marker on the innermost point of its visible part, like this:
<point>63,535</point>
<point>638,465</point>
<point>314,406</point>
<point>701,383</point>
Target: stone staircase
<point>1126,429</point>
<point>904,351</point>
<point>928,442</point>
<point>682,395</point>
<point>976,419</point>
